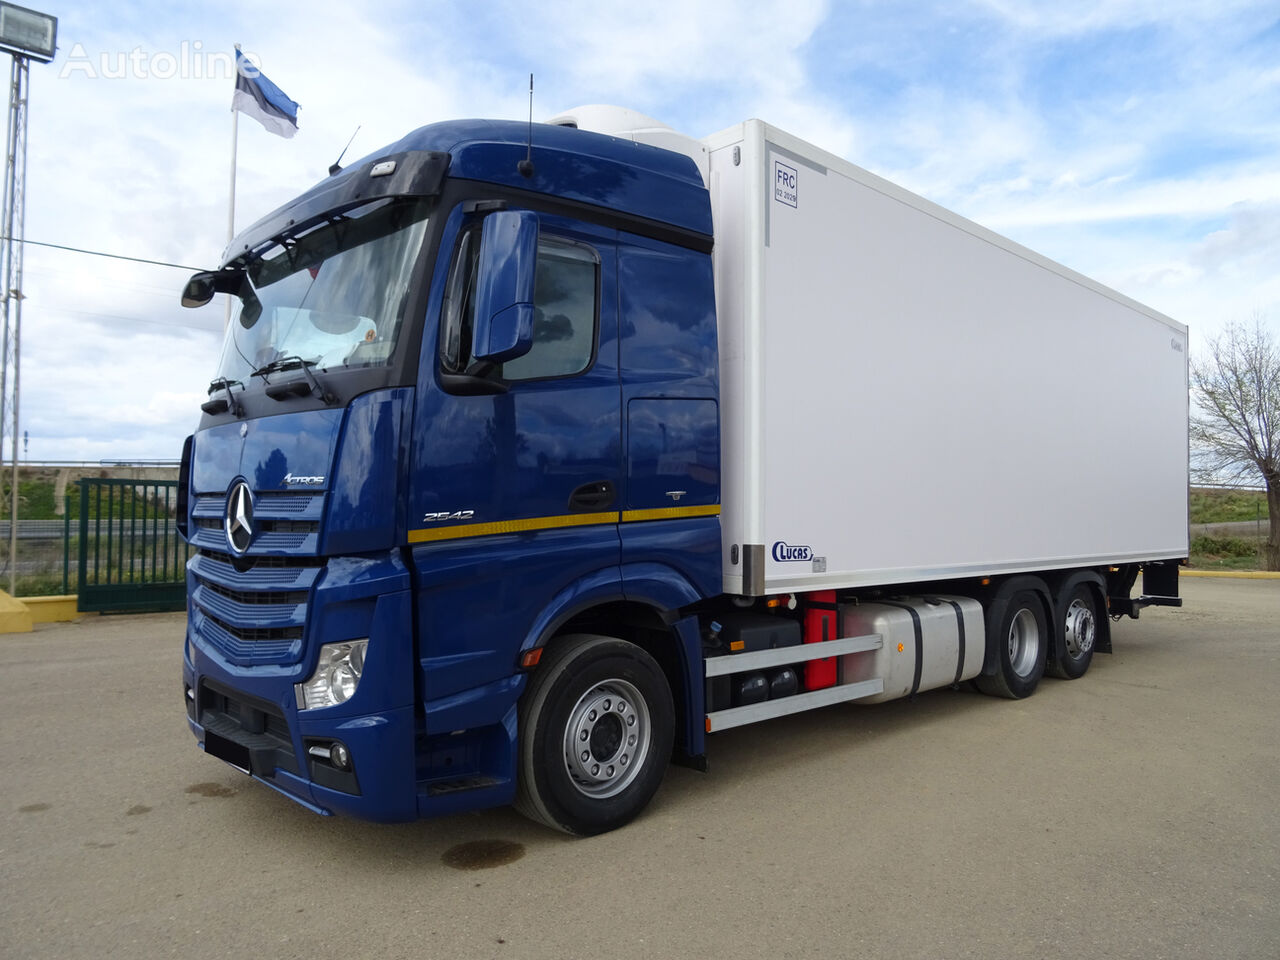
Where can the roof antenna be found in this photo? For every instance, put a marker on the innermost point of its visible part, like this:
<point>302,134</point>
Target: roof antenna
<point>337,164</point>
<point>525,166</point>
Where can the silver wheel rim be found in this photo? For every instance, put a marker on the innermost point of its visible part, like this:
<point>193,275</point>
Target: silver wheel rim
<point>607,739</point>
<point>1024,642</point>
<point>1080,629</point>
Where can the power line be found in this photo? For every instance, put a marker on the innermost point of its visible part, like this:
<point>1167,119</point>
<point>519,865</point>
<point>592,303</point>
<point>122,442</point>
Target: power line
<point>112,256</point>
<point>94,315</point>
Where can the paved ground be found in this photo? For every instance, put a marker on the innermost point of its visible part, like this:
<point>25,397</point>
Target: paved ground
<point>1134,813</point>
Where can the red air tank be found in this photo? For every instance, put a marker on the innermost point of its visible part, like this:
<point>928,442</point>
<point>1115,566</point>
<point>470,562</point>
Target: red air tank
<point>819,624</point>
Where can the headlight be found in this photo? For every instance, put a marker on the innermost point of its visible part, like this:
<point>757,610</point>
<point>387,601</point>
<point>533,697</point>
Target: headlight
<point>336,678</point>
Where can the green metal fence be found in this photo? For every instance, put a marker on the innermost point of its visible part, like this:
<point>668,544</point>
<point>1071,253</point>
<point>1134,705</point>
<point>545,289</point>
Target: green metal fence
<point>131,556</point>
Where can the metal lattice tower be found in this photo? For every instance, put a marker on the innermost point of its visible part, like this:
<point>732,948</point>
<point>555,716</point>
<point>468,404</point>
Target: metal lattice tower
<point>15,178</point>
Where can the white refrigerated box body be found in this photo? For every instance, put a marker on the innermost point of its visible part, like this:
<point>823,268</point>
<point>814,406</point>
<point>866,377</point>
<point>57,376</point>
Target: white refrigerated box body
<point>907,396</point>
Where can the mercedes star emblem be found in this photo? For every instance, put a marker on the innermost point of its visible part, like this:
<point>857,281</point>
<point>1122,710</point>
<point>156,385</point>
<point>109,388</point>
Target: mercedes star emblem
<point>239,521</point>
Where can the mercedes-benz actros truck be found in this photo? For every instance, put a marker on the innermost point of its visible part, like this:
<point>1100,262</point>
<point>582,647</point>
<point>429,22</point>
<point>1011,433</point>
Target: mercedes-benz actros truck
<point>537,455</point>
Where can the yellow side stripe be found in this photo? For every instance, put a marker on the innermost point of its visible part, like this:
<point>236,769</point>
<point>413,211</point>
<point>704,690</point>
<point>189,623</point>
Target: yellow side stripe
<point>511,526</point>
<point>433,534</point>
<point>671,513</point>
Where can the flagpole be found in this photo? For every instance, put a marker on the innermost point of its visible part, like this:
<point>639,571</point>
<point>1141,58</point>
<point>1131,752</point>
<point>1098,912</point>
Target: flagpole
<point>231,206</point>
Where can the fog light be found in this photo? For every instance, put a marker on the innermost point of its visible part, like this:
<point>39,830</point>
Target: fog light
<point>340,756</point>
<point>336,677</point>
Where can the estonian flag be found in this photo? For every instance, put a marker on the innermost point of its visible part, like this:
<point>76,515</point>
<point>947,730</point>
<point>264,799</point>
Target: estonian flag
<point>261,99</point>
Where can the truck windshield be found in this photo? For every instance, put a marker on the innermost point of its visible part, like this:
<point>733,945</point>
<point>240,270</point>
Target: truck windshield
<point>334,296</point>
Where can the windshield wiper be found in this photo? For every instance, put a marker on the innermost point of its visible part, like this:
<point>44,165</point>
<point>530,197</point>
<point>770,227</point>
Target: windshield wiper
<point>294,388</point>
<point>282,363</point>
<point>222,404</point>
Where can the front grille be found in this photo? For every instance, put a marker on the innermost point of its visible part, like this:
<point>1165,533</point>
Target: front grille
<point>264,526</point>
<point>258,598</point>
<point>252,609</point>
<point>258,725</point>
<point>259,634</point>
<point>263,563</point>
<point>289,526</point>
<point>283,522</point>
<point>250,647</point>
<point>285,502</point>
<point>210,536</point>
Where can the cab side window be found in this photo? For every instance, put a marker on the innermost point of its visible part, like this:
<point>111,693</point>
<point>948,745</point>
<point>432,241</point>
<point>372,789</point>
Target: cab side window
<point>458,314</point>
<point>566,307</point>
<point>564,313</point>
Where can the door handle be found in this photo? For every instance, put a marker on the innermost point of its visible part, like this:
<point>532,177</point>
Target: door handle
<point>592,496</point>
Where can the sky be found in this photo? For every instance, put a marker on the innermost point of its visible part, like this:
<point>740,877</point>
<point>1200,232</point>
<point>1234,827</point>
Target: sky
<point>1136,141</point>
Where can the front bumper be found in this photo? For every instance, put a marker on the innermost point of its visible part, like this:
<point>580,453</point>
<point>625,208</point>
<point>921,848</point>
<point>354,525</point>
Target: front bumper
<point>248,716</point>
<point>408,759</point>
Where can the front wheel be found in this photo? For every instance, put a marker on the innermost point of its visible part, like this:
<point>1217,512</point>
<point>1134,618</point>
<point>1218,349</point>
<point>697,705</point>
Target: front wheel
<point>596,728</point>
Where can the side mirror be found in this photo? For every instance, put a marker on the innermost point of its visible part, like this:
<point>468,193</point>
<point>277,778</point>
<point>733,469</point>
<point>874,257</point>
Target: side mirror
<point>504,290</point>
<point>199,290</point>
<point>203,285</point>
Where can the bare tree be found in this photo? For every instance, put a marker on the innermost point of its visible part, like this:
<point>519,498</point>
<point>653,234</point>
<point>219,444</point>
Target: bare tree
<point>1236,429</point>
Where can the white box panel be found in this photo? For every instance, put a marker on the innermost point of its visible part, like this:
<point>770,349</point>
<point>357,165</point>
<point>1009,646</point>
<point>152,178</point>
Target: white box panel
<point>910,396</point>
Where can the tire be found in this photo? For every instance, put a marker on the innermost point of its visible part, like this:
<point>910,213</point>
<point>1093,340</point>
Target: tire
<point>1077,634</point>
<point>596,729</point>
<point>1018,633</point>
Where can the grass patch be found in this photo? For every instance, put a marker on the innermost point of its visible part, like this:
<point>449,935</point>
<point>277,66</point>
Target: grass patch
<point>36,501</point>
<point>1227,506</point>
<point>1225,553</point>
<point>43,585</point>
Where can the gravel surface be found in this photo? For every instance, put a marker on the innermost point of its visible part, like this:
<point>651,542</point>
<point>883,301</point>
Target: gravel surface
<point>1133,813</point>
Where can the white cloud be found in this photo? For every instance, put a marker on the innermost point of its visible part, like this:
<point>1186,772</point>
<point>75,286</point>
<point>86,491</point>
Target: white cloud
<point>1090,168</point>
<point>1084,16</point>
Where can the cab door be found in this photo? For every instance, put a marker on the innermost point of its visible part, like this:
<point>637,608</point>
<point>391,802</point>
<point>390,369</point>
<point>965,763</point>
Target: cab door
<point>515,494</point>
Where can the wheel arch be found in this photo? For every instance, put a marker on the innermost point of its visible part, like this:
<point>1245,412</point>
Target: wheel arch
<point>672,644</point>
<point>1064,580</point>
<point>640,603</point>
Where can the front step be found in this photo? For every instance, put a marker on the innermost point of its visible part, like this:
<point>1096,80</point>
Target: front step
<point>436,788</point>
<point>463,794</point>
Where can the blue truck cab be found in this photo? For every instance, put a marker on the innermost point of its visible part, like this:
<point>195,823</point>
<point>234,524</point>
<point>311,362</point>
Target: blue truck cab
<point>465,407</point>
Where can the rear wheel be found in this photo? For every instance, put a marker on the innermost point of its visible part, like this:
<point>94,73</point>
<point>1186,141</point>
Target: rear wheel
<point>1078,621</point>
<point>596,728</point>
<point>1018,635</point>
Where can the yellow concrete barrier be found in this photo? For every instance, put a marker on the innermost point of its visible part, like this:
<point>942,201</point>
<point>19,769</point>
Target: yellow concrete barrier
<point>1241,574</point>
<point>15,617</point>
<point>52,609</point>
